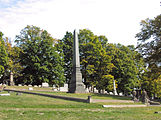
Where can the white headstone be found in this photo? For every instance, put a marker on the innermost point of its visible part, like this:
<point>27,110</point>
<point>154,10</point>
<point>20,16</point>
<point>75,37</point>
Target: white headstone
<point>55,89</point>
<point>121,94</point>
<point>30,85</point>
<point>54,86</point>
<point>66,85</point>
<point>30,88</point>
<point>64,89</point>
<point>39,85</point>
<point>19,85</point>
<point>87,90</point>
<point>96,91</point>
<point>45,85</point>
<point>35,86</point>
<point>7,94</point>
<point>90,87</point>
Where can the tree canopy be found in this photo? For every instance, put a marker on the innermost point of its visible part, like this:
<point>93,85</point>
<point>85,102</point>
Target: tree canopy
<point>39,57</point>
<point>149,45</point>
<point>3,56</point>
<point>149,41</point>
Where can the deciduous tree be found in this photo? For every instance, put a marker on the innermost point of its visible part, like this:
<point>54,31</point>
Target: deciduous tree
<point>3,56</point>
<point>39,57</point>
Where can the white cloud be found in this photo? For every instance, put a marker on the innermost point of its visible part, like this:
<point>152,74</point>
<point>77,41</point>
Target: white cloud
<point>117,20</point>
<point>5,1</point>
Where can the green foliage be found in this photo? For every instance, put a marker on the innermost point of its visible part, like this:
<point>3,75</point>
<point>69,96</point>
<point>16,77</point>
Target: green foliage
<point>102,62</point>
<point>96,64</point>
<point>3,56</point>
<point>65,48</point>
<point>127,64</point>
<point>14,65</point>
<point>157,86</point>
<point>151,83</point>
<point>106,82</point>
<point>39,58</point>
<point>149,40</point>
<point>149,45</point>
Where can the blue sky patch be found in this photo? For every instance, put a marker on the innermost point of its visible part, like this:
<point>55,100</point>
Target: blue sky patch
<point>8,3</point>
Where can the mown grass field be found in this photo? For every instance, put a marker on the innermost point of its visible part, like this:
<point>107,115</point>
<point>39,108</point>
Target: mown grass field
<point>34,107</point>
<point>85,95</point>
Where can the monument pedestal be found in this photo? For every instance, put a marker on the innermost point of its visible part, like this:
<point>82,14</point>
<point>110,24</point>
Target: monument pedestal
<point>76,85</point>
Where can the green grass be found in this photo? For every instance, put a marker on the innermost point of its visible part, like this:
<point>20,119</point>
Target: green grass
<point>85,95</point>
<point>34,107</point>
<point>26,87</point>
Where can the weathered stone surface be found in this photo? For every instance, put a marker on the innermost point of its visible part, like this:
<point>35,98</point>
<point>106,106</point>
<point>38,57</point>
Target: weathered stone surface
<point>114,88</point>
<point>76,85</point>
<point>30,88</point>
<point>45,85</point>
<point>64,89</point>
<point>11,79</point>
<point>154,103</point>
<point>35,86</point>
<point>7,94</point>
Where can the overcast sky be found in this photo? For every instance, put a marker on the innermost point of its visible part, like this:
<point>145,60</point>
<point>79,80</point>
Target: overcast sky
<point>118,20</point>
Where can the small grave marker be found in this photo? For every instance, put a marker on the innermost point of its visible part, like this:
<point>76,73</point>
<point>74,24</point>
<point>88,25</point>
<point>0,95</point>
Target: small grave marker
<point>7,94</point>
<point>30,88</point>
<point>45,85</point>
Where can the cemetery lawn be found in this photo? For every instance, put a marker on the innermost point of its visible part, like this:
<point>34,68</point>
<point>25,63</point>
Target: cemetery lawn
<point>85,95</point>
<point>34,107</point>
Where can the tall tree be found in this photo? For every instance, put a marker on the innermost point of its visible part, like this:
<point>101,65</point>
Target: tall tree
<point>96,64</point>
<point>40,59</point>
<point>149,42</point>
<point>3,56</point>
<point>65,48</point>
<point>14,65</point>
<point>149,45</point>
<point>86,46</point>
<point>127,66</point>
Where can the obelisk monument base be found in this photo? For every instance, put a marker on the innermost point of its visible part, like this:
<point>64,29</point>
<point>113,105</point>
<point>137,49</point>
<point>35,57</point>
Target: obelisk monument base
<point>76,85</point>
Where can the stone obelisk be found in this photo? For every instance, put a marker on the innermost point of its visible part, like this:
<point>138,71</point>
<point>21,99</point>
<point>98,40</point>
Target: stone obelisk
<point>76,85</point>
